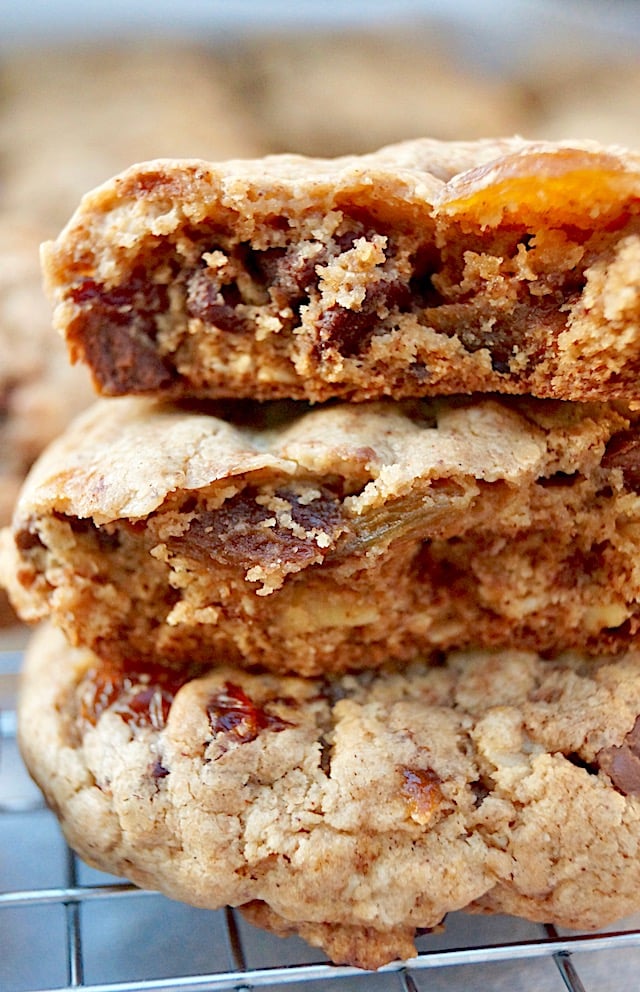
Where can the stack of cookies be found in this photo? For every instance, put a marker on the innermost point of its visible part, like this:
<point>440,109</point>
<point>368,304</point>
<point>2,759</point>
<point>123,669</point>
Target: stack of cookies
<point>71,115</point>
<point>342,572</point>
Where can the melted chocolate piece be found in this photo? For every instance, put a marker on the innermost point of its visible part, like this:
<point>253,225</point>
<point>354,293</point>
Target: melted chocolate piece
<point>284,275</point>
<point>294,277</point>
<point>509,328</point>
<point>622,764</point>
<point>350,331</point>
<point>117,332</point>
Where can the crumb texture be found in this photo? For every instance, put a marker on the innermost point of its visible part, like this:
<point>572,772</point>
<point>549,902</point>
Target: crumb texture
<point>426,268</point>
<point>333,538</point>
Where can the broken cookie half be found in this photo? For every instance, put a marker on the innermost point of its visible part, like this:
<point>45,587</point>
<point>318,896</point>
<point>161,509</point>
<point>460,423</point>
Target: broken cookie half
<point>426,268</point>
<point>333,538</point>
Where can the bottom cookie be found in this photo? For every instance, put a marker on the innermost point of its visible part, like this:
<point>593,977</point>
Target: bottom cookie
<point>354,810</point>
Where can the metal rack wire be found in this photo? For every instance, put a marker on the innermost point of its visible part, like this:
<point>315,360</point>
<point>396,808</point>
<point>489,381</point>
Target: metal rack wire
<point>39,875</point>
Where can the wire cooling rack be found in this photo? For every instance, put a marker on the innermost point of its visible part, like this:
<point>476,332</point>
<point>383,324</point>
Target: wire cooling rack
<point>66,927</point>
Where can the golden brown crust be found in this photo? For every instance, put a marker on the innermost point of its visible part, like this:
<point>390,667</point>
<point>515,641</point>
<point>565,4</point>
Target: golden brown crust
<point>355,810</point>
<point>421,269</point>
<point>336,537</point>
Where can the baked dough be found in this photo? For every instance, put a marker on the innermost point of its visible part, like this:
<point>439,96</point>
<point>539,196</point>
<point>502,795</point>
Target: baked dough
<point>424,268</point>
<point>351,810</point>
<point>336,537</point>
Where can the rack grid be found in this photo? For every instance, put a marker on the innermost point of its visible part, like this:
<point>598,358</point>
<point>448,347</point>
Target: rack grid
<point>66,927</point>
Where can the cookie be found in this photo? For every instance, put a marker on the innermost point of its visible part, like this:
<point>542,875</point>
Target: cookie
<point>351,810</point>
<point>73,114</point>
<point>425,268</point>
<point>335,537</point>
<point>39,391</point>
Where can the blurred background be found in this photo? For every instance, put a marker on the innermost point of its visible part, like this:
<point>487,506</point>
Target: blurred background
<point>87,89</point>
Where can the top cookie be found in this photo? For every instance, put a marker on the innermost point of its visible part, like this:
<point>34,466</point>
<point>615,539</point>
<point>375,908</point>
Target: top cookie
<point>424,268</point>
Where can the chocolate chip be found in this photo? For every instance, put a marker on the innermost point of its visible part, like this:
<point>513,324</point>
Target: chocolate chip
<point>346,331</point>
<point>117,331</point>
<point>622,764</point>
<point>209,301</point>
<point>285,275</point>
<point>349,331</point>
<point>295,274</point>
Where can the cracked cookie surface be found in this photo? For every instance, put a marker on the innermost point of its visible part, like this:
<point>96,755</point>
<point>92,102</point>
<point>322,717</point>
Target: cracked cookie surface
<point>333,538</point>
<point>425,268</point>
<point>352,810</point>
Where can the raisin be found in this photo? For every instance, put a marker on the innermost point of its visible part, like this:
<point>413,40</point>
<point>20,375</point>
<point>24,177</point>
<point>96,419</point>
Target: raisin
<point>236,533</point>
<point>421,789</point>
<point>233,713</point>
<point>140,696</point>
